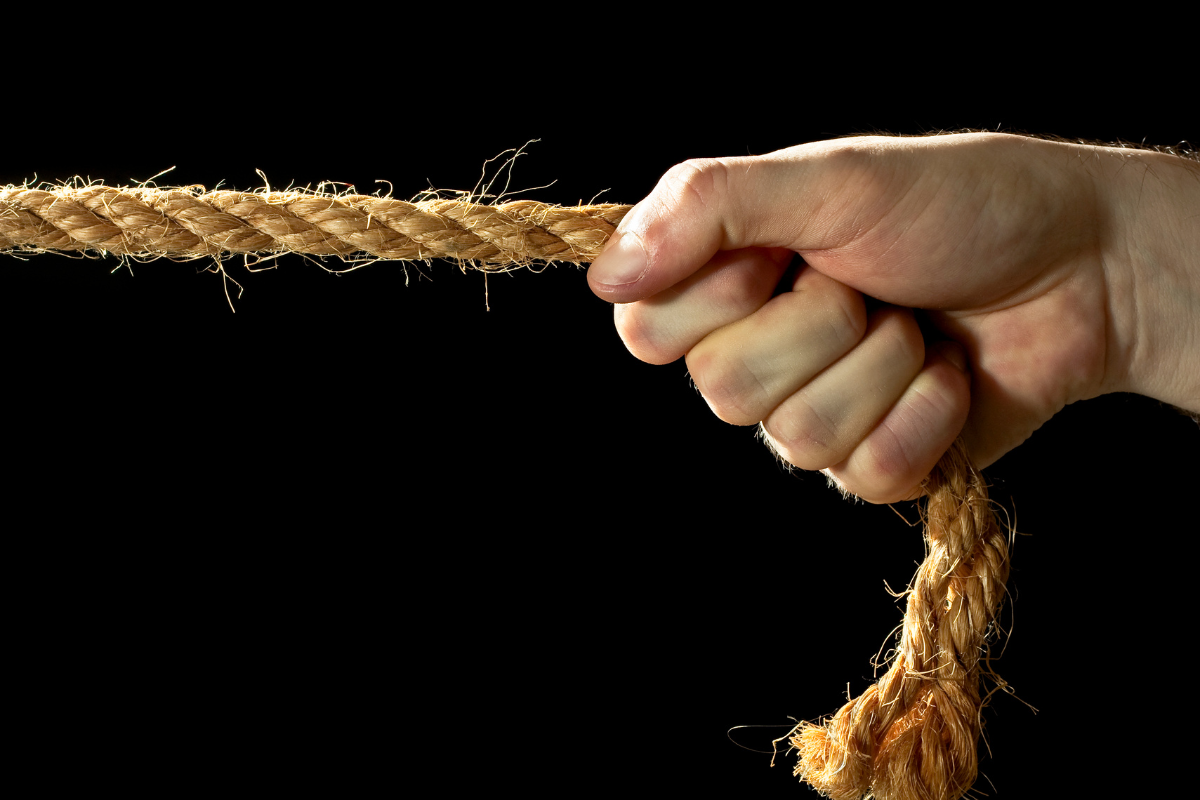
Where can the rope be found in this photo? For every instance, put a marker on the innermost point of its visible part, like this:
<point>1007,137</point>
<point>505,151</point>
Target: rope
<point>190,223</point>
<point>911,736</point>
<point>914,734</point>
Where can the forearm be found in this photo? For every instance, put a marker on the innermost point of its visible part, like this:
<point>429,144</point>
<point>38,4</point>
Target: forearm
<point>1152,262</point>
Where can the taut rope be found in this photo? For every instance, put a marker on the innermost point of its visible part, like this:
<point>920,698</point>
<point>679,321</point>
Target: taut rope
<point>912,736</point>
<point>188,223</point>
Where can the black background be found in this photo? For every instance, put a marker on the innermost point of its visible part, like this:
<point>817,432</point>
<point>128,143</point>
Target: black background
<point>365,533</point>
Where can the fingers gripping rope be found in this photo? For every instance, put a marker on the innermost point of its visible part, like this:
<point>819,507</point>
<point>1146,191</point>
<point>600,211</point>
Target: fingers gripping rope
<point>912,736</point>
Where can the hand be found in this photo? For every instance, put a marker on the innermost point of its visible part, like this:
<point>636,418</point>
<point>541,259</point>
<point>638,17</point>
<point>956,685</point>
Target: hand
<point>1024,256</point>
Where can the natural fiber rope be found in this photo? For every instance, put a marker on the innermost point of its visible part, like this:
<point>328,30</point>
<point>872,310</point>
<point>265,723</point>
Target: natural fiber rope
<point>912,736</point>
<point>189,222</point>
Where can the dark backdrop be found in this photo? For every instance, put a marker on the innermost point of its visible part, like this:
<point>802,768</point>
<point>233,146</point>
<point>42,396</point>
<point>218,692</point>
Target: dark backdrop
<point>365,531</point>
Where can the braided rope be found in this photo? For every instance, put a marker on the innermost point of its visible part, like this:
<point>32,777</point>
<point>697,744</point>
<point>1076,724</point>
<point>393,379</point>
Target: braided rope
<point>190,223</point>
<point>912,736</point>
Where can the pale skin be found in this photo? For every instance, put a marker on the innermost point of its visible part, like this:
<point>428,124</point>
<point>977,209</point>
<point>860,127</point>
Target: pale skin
<point>1043,273</point>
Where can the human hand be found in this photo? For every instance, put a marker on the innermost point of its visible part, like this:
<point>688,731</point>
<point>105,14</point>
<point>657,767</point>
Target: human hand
<point>1024,256</point>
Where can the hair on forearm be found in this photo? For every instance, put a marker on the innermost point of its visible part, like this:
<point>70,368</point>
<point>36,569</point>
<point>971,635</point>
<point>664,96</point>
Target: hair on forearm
<point>1182,149</point>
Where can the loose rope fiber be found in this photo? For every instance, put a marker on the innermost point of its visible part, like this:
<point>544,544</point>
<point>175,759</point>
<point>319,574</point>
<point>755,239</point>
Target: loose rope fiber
<point>912,736</point>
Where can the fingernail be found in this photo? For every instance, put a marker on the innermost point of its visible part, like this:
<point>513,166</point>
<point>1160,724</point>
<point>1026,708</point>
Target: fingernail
<point>623,261</point>
<point>954,353</point>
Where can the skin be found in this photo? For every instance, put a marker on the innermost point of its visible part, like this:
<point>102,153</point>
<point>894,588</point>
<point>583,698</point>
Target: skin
<point>968,284</point>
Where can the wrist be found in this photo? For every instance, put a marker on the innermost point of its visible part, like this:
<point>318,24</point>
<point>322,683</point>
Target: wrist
<point>1152,266</point>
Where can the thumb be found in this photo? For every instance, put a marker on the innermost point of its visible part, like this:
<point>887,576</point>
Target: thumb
<point>702,206</point>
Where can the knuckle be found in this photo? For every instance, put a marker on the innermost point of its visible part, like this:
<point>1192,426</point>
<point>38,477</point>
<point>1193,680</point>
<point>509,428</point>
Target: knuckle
<point>804,437</point>
<point>643,335</point>
<point>885,472</point>
<point>843,315</point>
<point>727,384</point>
<point>852,152</point>
<point>900,452</point>
<point>699,180</point>
<point>850,312</point>
<point>694,188</point>
<point>745,287</point>
<point>907,341</point>
<point>941,402</point>
<point>859,157</point>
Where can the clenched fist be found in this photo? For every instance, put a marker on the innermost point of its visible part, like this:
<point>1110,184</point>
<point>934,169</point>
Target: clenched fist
<point>868,300</point>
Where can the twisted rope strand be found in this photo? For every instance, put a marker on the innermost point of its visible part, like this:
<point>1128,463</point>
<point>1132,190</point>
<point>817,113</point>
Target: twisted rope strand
<point>189,223</point>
